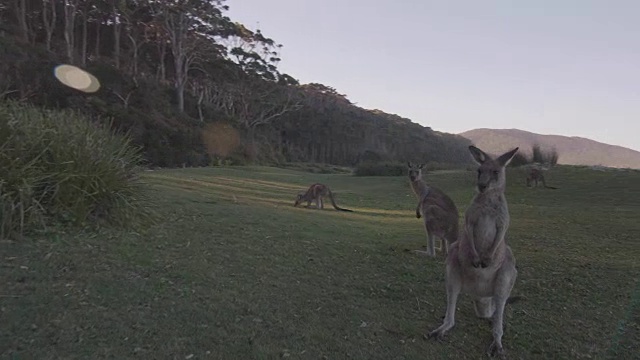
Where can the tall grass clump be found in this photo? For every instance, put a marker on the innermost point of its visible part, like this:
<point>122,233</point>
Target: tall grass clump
<point>57,167</point>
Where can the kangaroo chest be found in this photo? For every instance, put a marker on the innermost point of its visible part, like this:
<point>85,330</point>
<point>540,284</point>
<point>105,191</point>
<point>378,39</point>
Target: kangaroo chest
<point>484,221</point>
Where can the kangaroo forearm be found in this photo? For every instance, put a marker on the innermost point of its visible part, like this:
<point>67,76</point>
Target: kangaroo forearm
<point>473,247</point>
<point>497,241</point>
<point>474,250</point>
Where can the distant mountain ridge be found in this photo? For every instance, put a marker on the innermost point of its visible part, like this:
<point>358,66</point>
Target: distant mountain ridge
<point>572,150</point>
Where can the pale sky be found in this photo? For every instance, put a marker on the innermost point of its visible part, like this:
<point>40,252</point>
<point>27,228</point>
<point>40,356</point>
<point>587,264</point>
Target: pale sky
<point>547,66</point>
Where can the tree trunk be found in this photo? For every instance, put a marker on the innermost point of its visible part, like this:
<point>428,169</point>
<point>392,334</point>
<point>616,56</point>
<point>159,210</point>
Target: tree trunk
<point>83,60</point>
<point>116,45</point>
<point>134,45</point>
<point>162,50</point>
<point>49,23</point>
<point>116,36</point>
<point>97,45</point>
<point>179,81</point>
<point>21,12</point>
<point>251,149</point>
<point>69,25</point>
<point>177,26</point>
<point>180,94</point>
<point>200,99</point>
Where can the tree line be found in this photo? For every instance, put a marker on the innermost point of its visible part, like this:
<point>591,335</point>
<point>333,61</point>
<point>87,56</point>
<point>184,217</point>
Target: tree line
<point>168,69</point>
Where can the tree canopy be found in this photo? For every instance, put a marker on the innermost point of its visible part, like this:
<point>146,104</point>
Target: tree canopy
<point>169,68</point>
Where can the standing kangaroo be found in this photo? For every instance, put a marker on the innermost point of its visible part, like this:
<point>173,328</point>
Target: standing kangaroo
<point>481,263</point>
<point>439,212</point>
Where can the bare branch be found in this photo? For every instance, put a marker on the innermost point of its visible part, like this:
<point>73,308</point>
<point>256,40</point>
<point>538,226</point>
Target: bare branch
<point>125,100</point>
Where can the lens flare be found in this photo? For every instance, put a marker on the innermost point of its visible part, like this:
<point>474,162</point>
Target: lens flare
<point>76,78</point>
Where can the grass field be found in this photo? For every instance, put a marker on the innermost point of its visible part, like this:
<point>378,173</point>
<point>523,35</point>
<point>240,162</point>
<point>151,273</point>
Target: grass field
<point>234,271</point>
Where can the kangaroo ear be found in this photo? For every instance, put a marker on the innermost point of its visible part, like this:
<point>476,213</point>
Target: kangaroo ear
<point>420,166</point>
<point>409,163</point>
<point>505,158</point>
<point>478,155</point>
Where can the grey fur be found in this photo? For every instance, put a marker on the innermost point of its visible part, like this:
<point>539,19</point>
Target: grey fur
<point>481,264</point>
<point>439,212</point>
<point>534,175</point>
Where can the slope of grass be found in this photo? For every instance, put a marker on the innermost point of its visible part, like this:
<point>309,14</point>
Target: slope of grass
<point>235,272</point>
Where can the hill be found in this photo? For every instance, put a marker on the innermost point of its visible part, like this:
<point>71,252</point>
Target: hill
<point>572,150</point>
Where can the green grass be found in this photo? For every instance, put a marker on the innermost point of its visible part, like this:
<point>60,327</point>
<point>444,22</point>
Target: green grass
<point>236,272</point>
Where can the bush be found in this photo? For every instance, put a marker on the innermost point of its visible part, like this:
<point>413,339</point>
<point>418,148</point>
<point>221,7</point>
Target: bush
<point>57,167</point>
<point>544,157</point>
<point>538,155</point>
<point>380,169</point>
<point>434,165</point>
<point>519,159</point>
<point>316,168</point>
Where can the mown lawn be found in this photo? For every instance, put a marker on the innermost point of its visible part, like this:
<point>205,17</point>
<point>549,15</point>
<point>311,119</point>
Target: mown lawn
<point>234,271</point>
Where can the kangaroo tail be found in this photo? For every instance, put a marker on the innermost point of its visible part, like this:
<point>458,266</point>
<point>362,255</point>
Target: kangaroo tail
<point>333,202</point>
<point>544,182</point>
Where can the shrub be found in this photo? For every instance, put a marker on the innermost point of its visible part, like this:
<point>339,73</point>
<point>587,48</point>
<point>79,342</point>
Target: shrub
<point>544,157</point>
<point>538,155</point>
<point>519,159</point>
<point>380,169</point>
<point>57,167</point>
<point>316,168</point>
<point>434,165</point>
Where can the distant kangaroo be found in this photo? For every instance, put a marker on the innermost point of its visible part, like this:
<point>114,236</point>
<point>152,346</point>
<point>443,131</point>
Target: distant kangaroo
<point>315,193</point>
<point>535,175</point>
<point>481,263</point>
<point>438,210</point>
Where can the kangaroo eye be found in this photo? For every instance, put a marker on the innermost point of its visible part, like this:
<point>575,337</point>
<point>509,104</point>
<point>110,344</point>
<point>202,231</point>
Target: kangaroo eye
<point>495,173</point>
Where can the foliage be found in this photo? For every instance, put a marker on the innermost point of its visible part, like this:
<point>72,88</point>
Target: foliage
<point>380,169</point>
<point>537,156</point>
<point>57,166</point>
<point>540,156</point>
<point>316,168</point>
<point>519,159</point>
<point>167,69</point>
<point>434,165</point>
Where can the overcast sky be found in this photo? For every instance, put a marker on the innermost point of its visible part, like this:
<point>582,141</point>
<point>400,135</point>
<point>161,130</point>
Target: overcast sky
<point>547,66</point>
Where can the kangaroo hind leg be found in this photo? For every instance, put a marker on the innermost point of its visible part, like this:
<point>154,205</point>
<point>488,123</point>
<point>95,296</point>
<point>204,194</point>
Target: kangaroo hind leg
<point>505,279</point>
<point>453,283</point>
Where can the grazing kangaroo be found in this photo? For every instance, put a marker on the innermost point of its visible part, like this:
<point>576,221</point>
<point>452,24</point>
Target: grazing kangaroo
<point>535,175</point>
<point>438,210</point>
<point>315,193</point>
<point>480,263</point>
